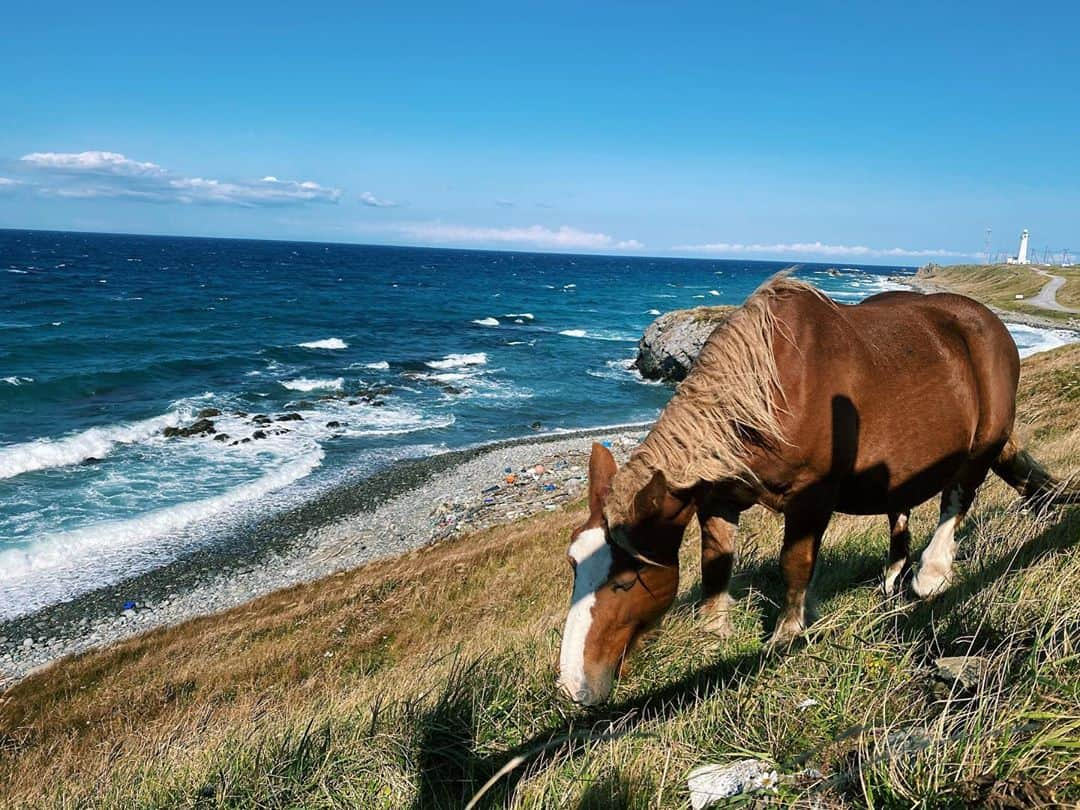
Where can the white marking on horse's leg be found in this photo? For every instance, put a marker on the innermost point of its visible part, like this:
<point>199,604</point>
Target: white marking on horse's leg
<point>592,559</point>
<point>935,568</point>
<point>893,571</point>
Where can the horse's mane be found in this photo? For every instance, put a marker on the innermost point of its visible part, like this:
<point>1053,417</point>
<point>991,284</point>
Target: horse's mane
<point>730,395</point>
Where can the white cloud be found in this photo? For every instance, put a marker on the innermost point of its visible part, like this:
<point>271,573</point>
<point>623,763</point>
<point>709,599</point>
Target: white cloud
<point>367,198</point>
<point>268,191</point>
<point>7,184</point>
<point>94,162</point>
<point>565,238</point>
<point>813,249</point>
<point>84,175</point>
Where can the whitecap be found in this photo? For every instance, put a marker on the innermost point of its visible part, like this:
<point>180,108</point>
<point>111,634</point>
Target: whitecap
<point>600,335</point>
<point>304,384</point>
<point>18,380</point>
<point>526,315</point>
<point>380,365</point>
<point>622,371</point>
<point>714,292</point>
<point>327,343</point>
<point>44,454</point>
<point>459,360</point>
<point>18,272</point>
<point>486,322</point>
<point>653,312</point>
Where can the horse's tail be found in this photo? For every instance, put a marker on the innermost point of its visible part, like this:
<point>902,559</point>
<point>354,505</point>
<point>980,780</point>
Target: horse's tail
<point>1022,472</point>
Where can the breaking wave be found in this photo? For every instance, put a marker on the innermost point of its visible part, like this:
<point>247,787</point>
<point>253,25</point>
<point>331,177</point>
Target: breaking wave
<point>304,384</point>
<point>44,454</point>
<point>459,360</point>
<point>328,343</point>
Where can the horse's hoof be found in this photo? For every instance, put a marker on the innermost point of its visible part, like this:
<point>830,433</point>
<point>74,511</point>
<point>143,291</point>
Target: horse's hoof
<point>783,637</point>
<point>719,625</point>
<point>716,614</point>
<point>893,582</point>
<point>929,582</point>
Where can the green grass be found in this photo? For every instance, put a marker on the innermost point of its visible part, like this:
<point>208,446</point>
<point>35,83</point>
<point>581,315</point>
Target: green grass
<point>411,682</point>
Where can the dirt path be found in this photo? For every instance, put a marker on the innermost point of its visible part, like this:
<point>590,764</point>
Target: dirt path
<point>1047,297</point>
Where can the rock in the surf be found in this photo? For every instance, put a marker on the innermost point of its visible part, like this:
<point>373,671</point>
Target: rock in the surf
<point>672,342</point>
<point>201,427</point>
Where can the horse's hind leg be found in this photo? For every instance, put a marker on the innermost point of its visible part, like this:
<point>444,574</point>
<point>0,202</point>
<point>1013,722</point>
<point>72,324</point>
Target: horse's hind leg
<point>935,566</point>
<point>717,561</point>
<point>899,552</point>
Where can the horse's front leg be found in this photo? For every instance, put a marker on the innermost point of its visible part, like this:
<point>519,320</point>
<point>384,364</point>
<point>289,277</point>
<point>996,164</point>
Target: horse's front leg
<point>803,529</point>
<point>717,562</point>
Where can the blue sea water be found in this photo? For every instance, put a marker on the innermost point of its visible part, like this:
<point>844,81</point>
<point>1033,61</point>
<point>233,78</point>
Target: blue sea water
<point>105,340</point>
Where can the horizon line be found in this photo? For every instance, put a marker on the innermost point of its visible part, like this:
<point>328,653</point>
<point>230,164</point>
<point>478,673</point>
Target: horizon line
<point>620,255</point>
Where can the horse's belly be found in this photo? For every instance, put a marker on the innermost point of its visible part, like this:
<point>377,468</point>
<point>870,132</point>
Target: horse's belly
<point>904,484</point>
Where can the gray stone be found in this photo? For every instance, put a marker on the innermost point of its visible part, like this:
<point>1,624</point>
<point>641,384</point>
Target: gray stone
<point>672,342</point>
<point>965,670</point>
<point>710,784</point>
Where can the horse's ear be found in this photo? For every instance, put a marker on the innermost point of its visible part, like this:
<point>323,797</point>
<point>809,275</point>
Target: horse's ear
<point>602,468</point>
<point>649,500</point>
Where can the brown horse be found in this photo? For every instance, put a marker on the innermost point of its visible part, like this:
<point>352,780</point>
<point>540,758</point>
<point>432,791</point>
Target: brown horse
<point>807,407</point>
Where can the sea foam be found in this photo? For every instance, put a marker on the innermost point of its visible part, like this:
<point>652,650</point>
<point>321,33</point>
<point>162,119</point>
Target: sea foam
<point>459,360</point>
<point>304,384</point>
<point>44,454</point>
<point>328,343</point>
<point>486,322</point>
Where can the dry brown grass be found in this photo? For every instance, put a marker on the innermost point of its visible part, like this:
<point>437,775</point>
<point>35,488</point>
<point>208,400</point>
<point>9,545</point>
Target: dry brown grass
<point>409,681</point>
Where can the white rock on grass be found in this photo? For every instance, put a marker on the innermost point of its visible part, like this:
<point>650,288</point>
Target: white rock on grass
<point>709,784</point>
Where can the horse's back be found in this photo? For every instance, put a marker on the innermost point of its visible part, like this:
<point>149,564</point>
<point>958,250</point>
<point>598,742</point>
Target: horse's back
<point>903,383</point>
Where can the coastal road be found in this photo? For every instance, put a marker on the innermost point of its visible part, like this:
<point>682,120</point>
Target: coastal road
<point>1047,297</point>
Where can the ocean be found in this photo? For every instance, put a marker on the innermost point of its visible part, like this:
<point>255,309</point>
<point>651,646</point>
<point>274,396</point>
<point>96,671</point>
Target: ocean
<point>372,354</point>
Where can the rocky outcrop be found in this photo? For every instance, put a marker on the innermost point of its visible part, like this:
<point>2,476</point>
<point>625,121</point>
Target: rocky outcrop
<point>199,428</point>
<point>672,342</point>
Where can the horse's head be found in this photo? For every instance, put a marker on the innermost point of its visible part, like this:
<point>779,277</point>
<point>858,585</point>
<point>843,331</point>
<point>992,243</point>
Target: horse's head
<point>625,579</point>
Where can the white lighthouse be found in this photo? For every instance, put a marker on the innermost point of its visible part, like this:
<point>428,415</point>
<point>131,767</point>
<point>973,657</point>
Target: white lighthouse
<point>1022,254</point>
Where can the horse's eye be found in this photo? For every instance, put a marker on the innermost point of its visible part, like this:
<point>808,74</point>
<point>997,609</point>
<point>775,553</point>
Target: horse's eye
<point>624,581</point>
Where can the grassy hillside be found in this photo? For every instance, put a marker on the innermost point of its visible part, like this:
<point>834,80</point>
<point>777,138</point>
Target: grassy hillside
<point>999,284</point>
<point>411,681</point>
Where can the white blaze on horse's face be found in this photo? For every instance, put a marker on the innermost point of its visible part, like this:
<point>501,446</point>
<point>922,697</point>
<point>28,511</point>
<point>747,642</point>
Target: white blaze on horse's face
<point>592,561</point>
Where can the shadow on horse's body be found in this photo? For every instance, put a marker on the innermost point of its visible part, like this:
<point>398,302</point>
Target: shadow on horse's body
<point>806,407</point>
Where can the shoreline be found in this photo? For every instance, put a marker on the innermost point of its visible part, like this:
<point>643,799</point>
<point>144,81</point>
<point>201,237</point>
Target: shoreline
<point>1022,318</point>
<point>407,506</point>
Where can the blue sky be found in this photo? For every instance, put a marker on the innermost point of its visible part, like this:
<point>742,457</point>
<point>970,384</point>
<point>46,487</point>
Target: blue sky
<point>878,132</point>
